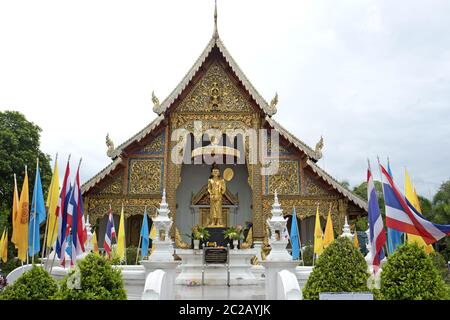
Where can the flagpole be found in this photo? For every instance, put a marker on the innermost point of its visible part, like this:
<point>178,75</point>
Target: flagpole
<point>384,199</point>
<point>140,235</point>
<point>28,261</point>
<point>54,256</point>
<point>48,218</point>
<point>34,215</point>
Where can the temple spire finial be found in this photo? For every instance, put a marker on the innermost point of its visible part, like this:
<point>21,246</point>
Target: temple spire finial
<point>216,32</point>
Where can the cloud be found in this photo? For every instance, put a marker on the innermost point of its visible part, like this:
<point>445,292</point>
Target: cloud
<point>371,76</point>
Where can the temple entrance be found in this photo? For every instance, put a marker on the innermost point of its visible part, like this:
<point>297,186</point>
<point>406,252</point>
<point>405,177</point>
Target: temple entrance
<point>193,203</point>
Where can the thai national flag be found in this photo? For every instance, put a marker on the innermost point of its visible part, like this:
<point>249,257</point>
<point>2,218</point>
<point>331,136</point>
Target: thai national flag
<point>75,220</point>
<point>402,216</point>
<point>377,234</point>
<point>110,234</point>
<point>61,213</point>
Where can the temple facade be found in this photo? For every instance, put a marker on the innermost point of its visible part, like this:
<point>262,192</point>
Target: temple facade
<point>215,93</point>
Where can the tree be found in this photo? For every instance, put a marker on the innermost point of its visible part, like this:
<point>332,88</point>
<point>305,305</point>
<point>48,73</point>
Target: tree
<point>427,207</point>
<point>441,204</point>
<point>19,146</point>
<point>340,268</point>
<point>409,274</point>
<point>361,191</point>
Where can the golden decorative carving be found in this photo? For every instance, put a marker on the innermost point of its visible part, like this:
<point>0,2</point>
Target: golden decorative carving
<point>220,121</point>
<point>156,105</point>
<point>286,181</point>
<point>115,186</point>
<point>312,188</point>
<point>304,207</point>
<point>215,92</point>
<point>99,207</point>
<point>273,104</point>
<point>249,241</point>
<point>145,176</point>
<point>179,241</point>
<point>319,146</point>
<point>155,146</point>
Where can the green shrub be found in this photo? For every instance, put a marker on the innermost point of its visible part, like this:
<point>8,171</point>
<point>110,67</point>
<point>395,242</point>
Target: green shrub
<point>440,264</point>
<point>94,278</point>
<point>35,284</point>
<point>409,274</point>
<point>340,268</point>
<point>308,252</point>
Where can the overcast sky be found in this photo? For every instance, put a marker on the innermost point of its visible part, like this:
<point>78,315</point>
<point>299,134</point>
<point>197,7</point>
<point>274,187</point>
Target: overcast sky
<point>372,77</point>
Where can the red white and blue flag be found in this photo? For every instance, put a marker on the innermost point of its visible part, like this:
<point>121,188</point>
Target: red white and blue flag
<point>402,216</point>
<point>75,220</point>
<point>377,233</point>
<point>110,233</point>
<point>61,213</point>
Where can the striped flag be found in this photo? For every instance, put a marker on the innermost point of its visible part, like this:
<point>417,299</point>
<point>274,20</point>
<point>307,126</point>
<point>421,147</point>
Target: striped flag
<point>61,213</point>
<point>402,216</point>
<point>377,234</point>
<point>75,220</point>
<point>110,233</point>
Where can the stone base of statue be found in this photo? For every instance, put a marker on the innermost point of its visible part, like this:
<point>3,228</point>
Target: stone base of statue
<point>192,264</point>
<point>278,251</point>
<point>163,251</point>
<point>216,235</point>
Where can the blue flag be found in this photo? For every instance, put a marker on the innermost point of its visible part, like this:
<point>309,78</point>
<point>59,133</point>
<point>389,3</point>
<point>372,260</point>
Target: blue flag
<point>37,212</point>
<point>295,240</point>
<point>395,237</point>
<point>145,236</point>
<point>69,247</point>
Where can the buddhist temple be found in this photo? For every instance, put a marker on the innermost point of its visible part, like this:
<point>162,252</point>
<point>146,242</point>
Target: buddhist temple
<point>215,95</point>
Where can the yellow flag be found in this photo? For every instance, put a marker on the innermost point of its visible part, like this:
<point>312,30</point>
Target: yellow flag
<point>52,203</point>
<point>120,251</point>
<point>22,221</point>
<point>355,240</point>
<point>95,243</point>
<point>15,211</point>
<point>318,235</point>
<point>411,195</point>
<point>4,246</point>
<point>328,237</point>
<point>1,243</point>
<point>153,235</point>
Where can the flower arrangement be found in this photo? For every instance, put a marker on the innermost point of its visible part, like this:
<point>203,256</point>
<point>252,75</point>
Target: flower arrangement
<point>234,233</point>
<point>199,233</point>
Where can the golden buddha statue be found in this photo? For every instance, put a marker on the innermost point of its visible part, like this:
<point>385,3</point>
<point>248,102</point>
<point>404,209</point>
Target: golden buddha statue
<point>216,188</point>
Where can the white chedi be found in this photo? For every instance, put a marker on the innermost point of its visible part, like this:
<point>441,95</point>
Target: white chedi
<point>346,230</point>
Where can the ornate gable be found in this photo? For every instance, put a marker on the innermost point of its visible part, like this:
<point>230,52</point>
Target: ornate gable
<point>215,92</point>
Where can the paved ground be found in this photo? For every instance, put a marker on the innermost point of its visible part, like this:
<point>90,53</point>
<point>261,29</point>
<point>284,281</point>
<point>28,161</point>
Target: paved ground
<point>250,292</point>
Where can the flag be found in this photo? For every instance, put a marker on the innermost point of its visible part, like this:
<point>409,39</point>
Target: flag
<point>145,236</point>
<point>95,243</point>
<point>75,219</point>
<point>69,247</point>
<point>15,212</point>
<point>355,240</point>
<point>61,212</point>
<point>402,216</point>
<point>120,252</point>
<point>318,235</point>
<point>328,237</point>
<point>153,235</point>
<point>377,233</point>
<point>22,221</point>
<point>37,216</point>
<point>411,195</point>
<point>295,237</point>
<point>394,238</point>
<point>52,204</point>
<point>110,233</point>
<point>4,246</point>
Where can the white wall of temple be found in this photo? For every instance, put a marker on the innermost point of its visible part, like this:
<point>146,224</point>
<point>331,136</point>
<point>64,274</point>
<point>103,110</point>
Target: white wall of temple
<point>194,177</point>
